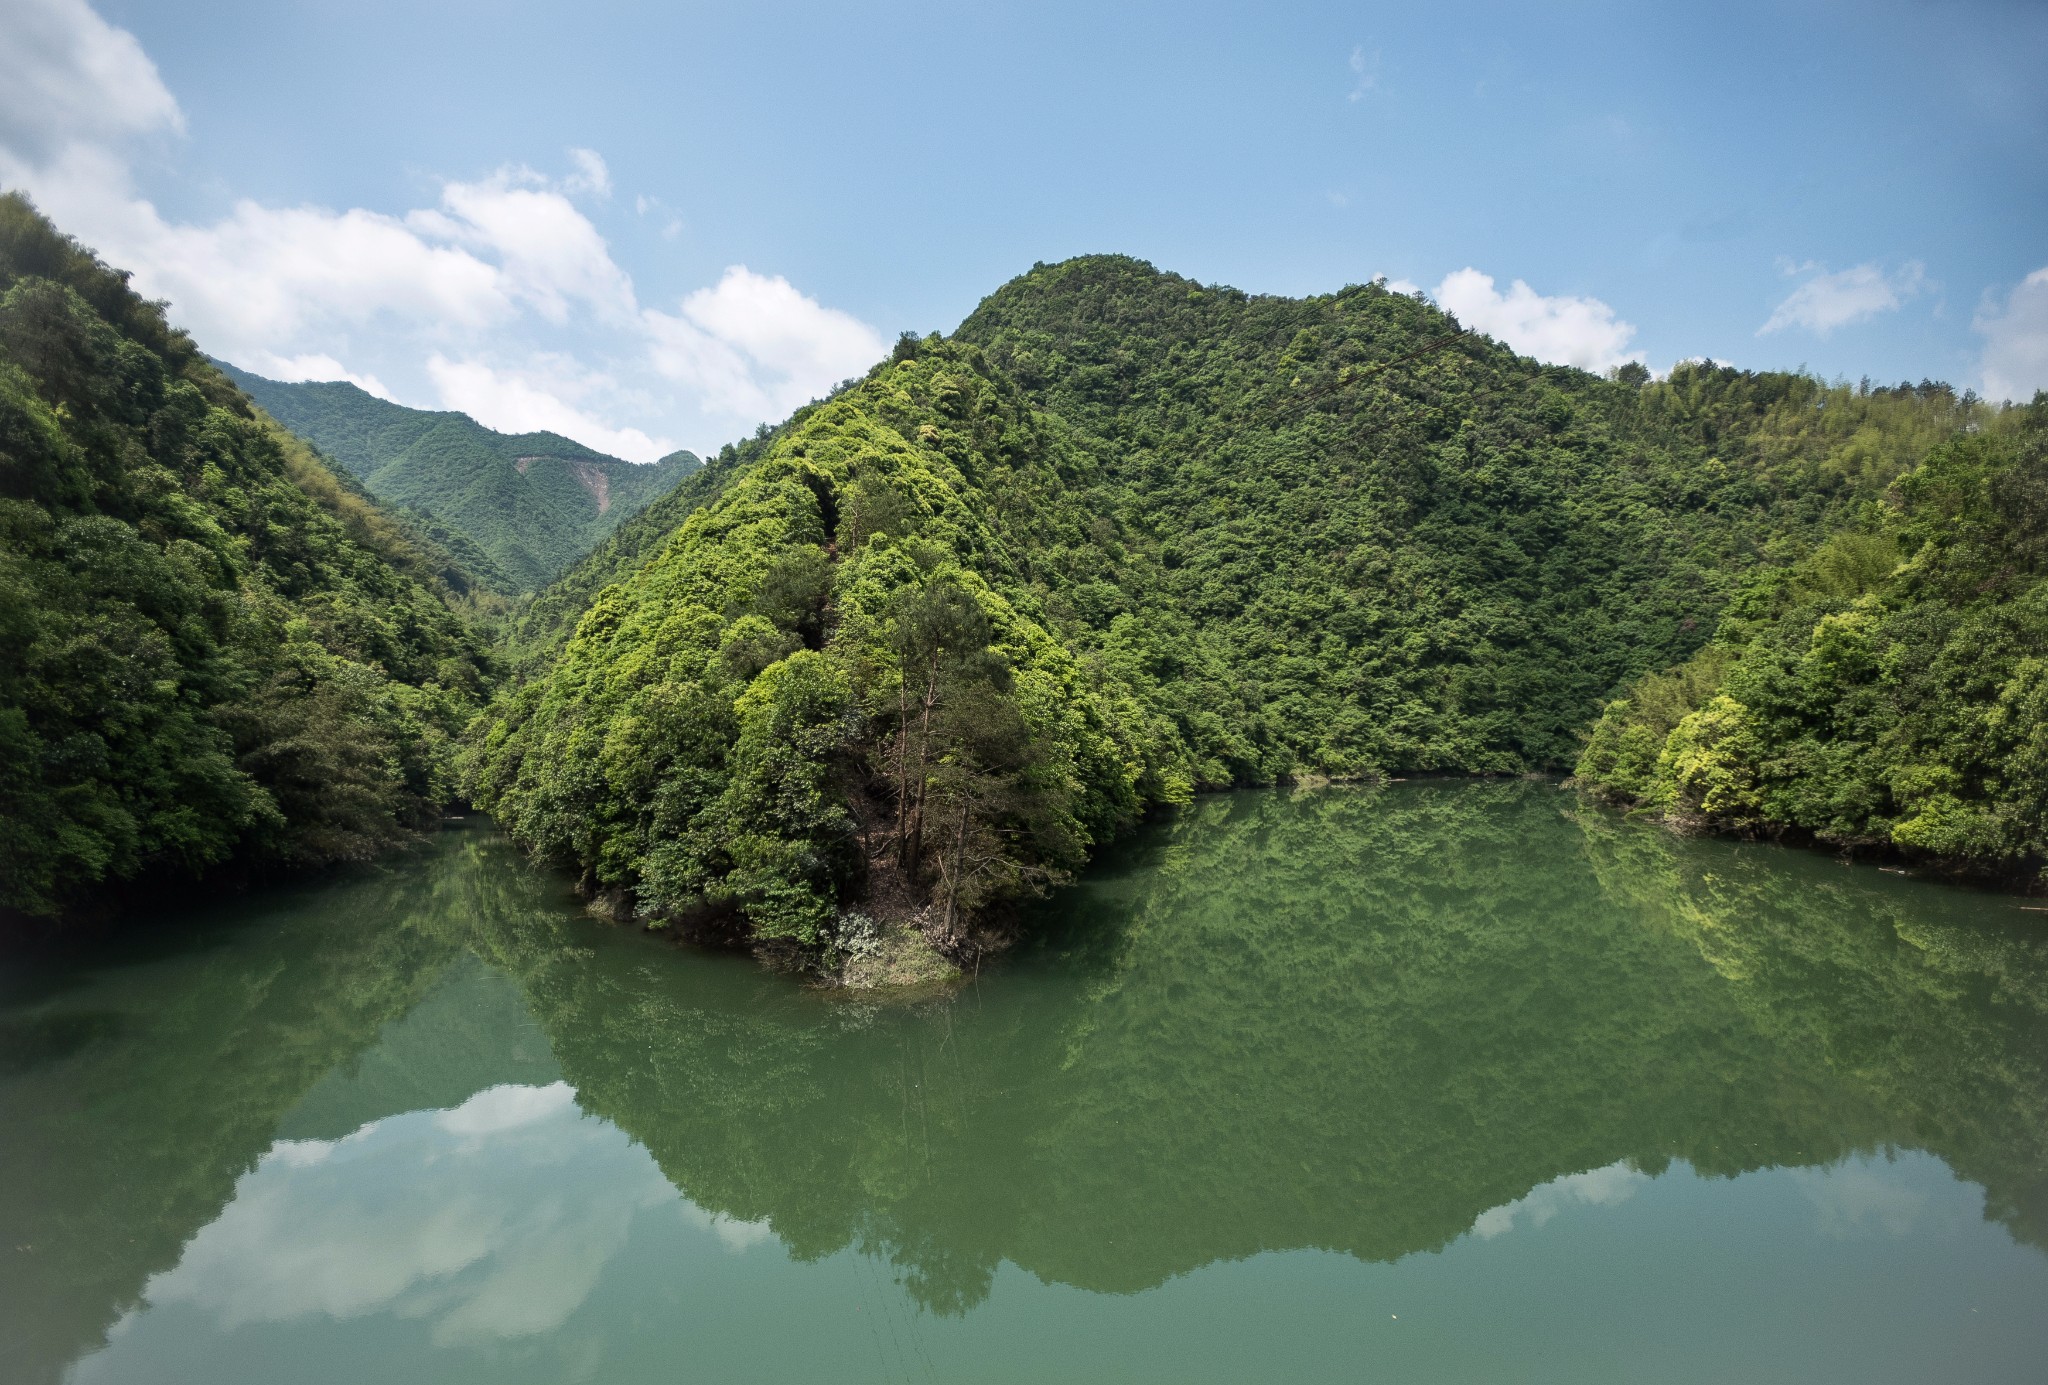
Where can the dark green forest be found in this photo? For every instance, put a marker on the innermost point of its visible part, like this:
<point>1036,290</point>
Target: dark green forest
<point>211,647</point>
<point>1125,538</point>
<point>518,508</point>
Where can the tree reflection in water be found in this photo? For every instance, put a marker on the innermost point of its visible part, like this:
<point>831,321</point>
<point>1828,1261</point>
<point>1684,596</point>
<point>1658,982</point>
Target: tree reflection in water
<point>1356,1020</point>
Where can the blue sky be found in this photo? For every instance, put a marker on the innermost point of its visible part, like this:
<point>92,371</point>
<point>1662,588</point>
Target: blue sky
<point>658,225</point>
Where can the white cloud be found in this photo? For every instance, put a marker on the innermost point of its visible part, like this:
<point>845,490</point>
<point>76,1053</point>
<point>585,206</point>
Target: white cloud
<point>507,1106</point>
<point>281,280</point>
<point>672,225</point>
<point>592,175</point>
<point>1860,1197</point>
<point>67,76</point>
<point>2015,360</point>
<point>756,347</point>
<point>488,1224</point>
<point>1563,330</point>
<point>283,274</point>
<point>1827,301</point>
<point>312,366</point>
<point>547,254</point>
<point>503,298</point>
<point>519,401</point>
<point>1365,72</point>
<point>736,1236</point>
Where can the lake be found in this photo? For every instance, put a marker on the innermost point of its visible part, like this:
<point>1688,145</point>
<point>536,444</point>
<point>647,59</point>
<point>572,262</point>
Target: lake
<point>1443,1081</point>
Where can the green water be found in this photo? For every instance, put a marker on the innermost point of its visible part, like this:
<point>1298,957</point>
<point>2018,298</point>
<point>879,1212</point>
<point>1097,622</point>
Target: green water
<point>1443,1082</point>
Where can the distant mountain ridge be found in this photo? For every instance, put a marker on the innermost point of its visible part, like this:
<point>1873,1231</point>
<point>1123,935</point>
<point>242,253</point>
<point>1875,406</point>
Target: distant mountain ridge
<point>530,504</point>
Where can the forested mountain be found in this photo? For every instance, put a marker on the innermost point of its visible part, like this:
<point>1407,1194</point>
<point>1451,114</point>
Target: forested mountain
<point>1127,537</point>
<point>548,619</point>
<point>212,649</point>
<point>922,647</point>
<point>1890,689</point>
<point>530,503</point>
<point>1412,548</point>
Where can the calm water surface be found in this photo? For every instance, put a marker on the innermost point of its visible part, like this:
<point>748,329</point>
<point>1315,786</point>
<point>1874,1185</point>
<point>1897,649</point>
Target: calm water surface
<point>1444,1082</point>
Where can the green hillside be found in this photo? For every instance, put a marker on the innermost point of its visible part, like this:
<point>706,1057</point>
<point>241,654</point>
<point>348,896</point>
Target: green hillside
<point>1412,548</point>
<point>531,503</point>
<point>212,649</point>
<point>1124,538</point>
<point>1889,690</point>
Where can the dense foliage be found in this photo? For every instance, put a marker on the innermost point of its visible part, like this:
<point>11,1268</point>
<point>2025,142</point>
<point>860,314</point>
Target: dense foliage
<point>1890,689</point>
<point>545,623</point>
<point>1124,539</point>
<point>1408,548</point>
<point>528,504</point>
<point>210,646</point>
<point>836,668</point>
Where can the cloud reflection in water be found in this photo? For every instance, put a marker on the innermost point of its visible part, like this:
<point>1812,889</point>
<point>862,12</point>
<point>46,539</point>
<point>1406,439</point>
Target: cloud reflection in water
<point>491,1220</point>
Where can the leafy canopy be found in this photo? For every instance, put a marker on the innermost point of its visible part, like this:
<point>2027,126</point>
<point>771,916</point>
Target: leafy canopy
<point>211,647</point>
<point>1124,538</point>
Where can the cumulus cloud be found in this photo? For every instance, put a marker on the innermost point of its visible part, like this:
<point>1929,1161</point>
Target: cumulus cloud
<point>266,277</point>
<point>281,280</point>
<point>488,1224</point>
<point>531,401</point>
<point>493,297</point>
<point>546,253</point>
<point>68,77</point>
<point>2015,331</point>
<point>756,347</point>
<point>1826,300</point>
<point>1562,330</point>
<point>1861,1198</point>
<point>459,1217</point>
<point>592,174</point>
<point>312,366</point>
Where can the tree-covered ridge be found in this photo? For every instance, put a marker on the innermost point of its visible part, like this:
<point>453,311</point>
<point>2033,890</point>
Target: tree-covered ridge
<point>1411,547</point>
<point>530,503</point>
<point>544,624</point>
<point>1130,538</point>
<point>1890,689</point>
<point>836,672</point>
<point>210,646</point>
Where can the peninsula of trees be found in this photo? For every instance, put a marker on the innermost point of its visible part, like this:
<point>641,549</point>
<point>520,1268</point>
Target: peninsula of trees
<point>1124,538</point>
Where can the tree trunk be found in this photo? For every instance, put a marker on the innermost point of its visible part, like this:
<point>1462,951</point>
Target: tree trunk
<point>959,866</point>
<point>902,766</point>
<point>913,842</point>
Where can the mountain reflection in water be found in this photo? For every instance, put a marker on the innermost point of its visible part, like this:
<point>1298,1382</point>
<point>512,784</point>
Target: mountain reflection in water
<point>1364,1023</point>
